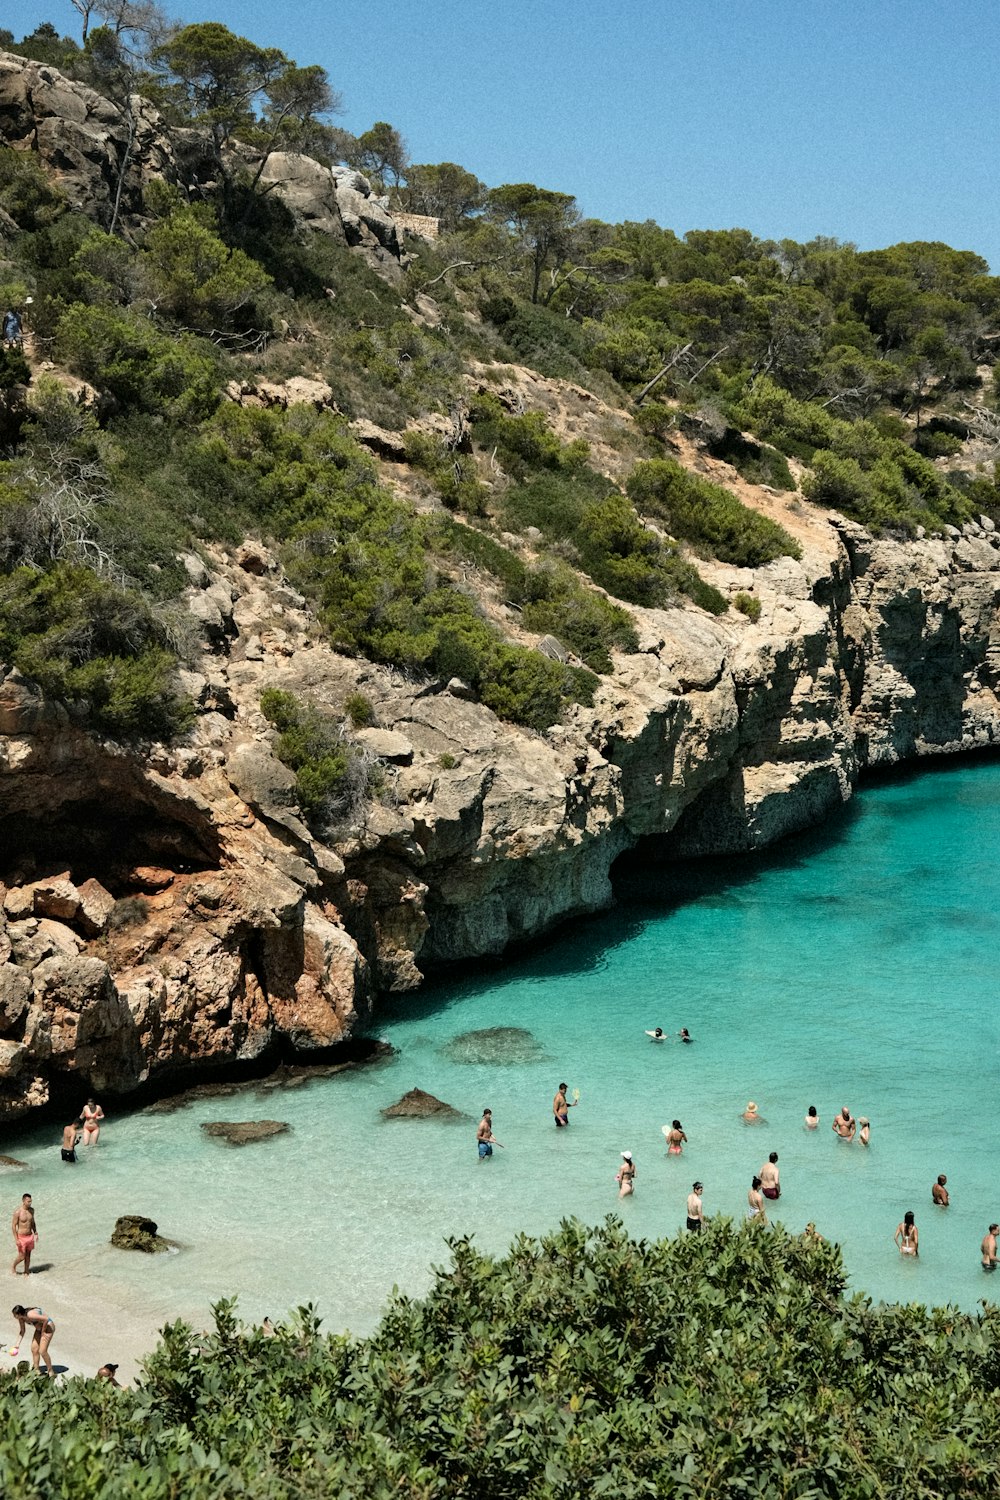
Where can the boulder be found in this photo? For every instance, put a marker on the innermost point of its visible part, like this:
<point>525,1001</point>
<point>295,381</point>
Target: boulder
<point>134,1232</point>
<point>96,906</point>
<point>15,993</point>
<point>57,897</point>
<point>416,1105</point>
<point>387,744</point>
<point>245,1132</point>
<point>260,779</point>
<point>306,189</point>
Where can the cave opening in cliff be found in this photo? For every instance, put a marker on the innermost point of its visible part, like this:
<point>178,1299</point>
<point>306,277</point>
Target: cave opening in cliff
<point>109,838</point>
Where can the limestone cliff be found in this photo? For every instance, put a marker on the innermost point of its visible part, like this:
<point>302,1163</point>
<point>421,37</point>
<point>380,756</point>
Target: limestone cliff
<point>174,913</point>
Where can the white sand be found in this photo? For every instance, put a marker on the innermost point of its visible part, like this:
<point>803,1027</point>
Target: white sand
<point>89,1332</point>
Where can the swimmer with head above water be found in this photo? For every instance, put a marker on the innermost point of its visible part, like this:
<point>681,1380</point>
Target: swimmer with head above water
<point>659,1035</point>
<point>939,1192</point>
<point>812,1118</point>
<point>750,1115</point>
<point>675,1138</point>
<point>685,1035</point>
<point>625,1177</point>
<point>989,1248</point>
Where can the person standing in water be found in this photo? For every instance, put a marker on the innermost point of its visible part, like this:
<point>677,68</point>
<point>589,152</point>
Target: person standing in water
<point>92,1114</point>
<point>626,1176</point>
<point>939,1192</point>
<point>561,1105</point>
<point>769,1184</point>
<point>812,1118</point>
<point>750,1115</point>
<point>695,1212</point>
<point>756,1213</point>
<point>845,1125</point>
<point>33,1317</point>
<point>485,1139</point>
<point>675,1139</point>
<point>907,1235</point>
<point>70,1140</point>
<point>865,1133</point>
<point>25,1232</point>
<point>989,1248</point>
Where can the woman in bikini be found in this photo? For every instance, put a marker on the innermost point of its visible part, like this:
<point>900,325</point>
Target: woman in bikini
<point>755,1198</point>
<point>92,1114</point>
<point>626,1176</point>
<point>41,1339</point>
<point>675,1139</point>
<point>907,1236</point>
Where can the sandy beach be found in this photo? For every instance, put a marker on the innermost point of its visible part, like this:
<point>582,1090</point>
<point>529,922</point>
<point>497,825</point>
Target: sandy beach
<point>92,1329</point>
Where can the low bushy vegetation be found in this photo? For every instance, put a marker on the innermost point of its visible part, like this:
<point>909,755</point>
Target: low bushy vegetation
<point>329,772</point>
<point>581,1363</point>
<point>94,645</point>
<point>707,516</point>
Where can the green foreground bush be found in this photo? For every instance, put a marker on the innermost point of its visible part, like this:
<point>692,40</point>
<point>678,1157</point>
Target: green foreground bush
<point>584,1363</point>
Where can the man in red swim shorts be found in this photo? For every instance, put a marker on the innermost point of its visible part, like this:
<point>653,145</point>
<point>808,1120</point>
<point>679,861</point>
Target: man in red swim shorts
<point>25,1232</point>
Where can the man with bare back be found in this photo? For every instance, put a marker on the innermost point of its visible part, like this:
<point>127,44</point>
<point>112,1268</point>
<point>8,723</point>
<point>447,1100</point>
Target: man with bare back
<point>25,1232</point>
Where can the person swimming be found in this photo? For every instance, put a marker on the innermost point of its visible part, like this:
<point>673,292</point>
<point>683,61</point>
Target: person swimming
<point>685,1035</point>
<point>750,1115</point>
<point>812,1118</point>
<point>658,1035</point>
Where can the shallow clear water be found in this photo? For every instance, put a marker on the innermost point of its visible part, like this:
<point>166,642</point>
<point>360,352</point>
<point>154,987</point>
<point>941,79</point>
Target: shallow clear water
<point>859,965</point>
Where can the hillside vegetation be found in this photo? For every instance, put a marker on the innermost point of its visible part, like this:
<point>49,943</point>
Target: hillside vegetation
<point>859,381</point>
<point>584,1363</point>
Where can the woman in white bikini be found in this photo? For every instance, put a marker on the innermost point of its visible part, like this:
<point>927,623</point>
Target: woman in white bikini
<point>92,1114</point>
<point>907,1236</point>
<point>755,1198</point>
<point>33,1317</point>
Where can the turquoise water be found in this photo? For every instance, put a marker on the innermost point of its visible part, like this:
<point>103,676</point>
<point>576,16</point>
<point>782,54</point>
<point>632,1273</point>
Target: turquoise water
<point>860,965</point>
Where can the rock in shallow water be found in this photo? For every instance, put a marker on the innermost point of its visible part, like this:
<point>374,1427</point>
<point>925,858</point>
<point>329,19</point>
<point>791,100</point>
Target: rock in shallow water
<point>134,1232</point>
<point>418,1105</point>
<point>245,1132</point>
<point>495,1046</point>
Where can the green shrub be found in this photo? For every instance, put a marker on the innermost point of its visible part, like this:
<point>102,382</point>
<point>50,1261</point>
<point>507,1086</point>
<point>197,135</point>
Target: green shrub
<point>94,645</point>
<point>758,463</point>
<point>310,744</point>
<point>552,599</point>
<point>707,515</point>
<point>447,761</point>
<point>747,604</point>
<point>359,709</point>
<point>126,356</point>
<point>525,443</point>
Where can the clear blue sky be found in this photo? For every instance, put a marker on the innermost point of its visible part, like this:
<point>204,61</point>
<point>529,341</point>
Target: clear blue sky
<point>871,120</point>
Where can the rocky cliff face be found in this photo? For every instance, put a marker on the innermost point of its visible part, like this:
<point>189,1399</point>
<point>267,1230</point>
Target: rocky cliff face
<point>174,913</point>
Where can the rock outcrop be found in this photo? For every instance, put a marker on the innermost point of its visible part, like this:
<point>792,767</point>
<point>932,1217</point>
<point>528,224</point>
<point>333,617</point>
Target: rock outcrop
<point>245,1132</point>
<point>418,1105</point>
<point>135,1232</point>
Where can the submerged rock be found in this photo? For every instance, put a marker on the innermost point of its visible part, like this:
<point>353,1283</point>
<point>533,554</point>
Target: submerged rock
<point>418,1105</point>
<point>245,1132</point>
<point>134,1232</point>
<point>11,1161</point>
<point>496,1046</point>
